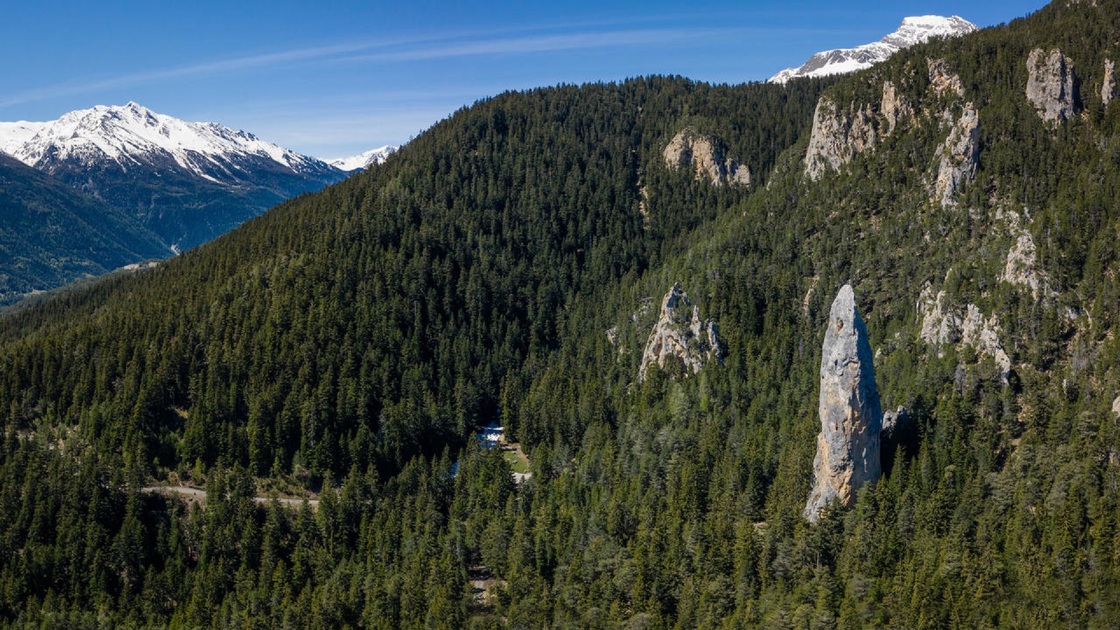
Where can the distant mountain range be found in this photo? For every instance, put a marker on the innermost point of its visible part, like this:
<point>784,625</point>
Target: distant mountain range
<point>109,186</point>
<point>187,182</point>
<point>52,234</point>
<point>363,160</point>
<point>914,30</point>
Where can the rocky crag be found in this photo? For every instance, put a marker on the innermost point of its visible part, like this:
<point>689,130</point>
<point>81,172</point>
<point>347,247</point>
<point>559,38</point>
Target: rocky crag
<point>1108,83</point>
<point>1051,86</point>
<point>679,335</point>
<point>840,133</point>
<point>959,157</point>
<point>1022,267</point>
<point>944,325</point>
<point>851,416</point>
<point>689,149</point>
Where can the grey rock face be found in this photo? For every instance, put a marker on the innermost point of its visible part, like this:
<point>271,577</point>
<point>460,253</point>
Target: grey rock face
<point>679,333</point>
<point>959,157</point>
<point>943,324</point>
<point>838,136</point>
<point>851,417</point>
<point>704,155</point>
<point>893,420</point>
<point>1022,266</point>
<point>942,80</point>
<point>983,335</point>
<point>895,108</point>
<point>1051,86</point>
<point>1108,85</point>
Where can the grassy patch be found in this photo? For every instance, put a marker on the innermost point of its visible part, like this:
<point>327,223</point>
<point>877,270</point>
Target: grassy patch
<point>517,462</point>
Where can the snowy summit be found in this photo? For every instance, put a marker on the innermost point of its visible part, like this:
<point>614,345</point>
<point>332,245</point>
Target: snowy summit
<point>914,30</point>
<point>187,182</point>
<point>362,160</point>
<point>133,135</point>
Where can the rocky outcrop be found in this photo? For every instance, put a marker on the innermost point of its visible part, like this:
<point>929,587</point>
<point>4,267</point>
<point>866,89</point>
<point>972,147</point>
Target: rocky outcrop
<point>704,155</point>
<point>944,325</point>
<point>1108,84</point>
<point>941,325</point>
<point>851,417</point>
<point>1051,85</point>
<point>1116,406</point>
<point>679,335</point>
<point>838,136</point>
<point>983,335</point>
<point>959,157</point>
<point>894,107</point>
<point>893,420</point>
<point>942,80</point>
<point>1022,267</point>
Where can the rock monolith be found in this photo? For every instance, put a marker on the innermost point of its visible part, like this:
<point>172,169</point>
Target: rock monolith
<point>851,416</point>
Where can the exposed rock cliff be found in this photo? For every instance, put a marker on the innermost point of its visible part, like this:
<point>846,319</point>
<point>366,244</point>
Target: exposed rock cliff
<point>943,324</point>
<point>679,334</point>
<point>1022,267</point>
<point>894,107</point>
<point>838,136</point>
<point>705,156</point>
<point>1051,85</point>
<point>942,80</point>
<point>1108,84</point>
<point>983,335</point>
<point>959,156</point>
<point>851,416</point>
<point>893,420</point>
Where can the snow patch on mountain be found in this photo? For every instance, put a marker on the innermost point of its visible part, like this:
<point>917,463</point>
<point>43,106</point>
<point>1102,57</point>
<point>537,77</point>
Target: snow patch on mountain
<point>914,30</point>
<point>362,160</point>
<point>134,135</point>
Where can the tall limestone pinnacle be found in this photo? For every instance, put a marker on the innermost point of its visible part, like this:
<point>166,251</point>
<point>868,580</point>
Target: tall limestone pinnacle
<point>851,417</point>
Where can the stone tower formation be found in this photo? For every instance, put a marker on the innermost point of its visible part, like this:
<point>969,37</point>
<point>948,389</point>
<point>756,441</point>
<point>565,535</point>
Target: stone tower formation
<point>851,416</point>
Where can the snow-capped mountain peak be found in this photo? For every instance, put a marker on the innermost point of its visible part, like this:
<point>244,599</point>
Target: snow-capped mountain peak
<point>132,134</point>
<point>362,160</point>
<point>186,181</point>
<point>912,31</point>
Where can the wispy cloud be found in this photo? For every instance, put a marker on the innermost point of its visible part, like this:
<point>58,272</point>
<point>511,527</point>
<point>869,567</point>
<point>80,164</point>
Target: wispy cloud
<point>543,43</point>
<point>384,51</point>
<point>234,64</point>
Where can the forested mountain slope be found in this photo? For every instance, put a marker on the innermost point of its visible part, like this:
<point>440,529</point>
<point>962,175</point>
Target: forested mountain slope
<point>506,265</point>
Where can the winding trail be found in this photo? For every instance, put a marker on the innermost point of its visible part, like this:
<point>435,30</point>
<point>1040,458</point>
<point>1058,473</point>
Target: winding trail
<point>197,495</point>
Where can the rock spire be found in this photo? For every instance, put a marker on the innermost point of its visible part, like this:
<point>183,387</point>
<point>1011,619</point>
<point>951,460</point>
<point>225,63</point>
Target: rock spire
<point>851,416</point>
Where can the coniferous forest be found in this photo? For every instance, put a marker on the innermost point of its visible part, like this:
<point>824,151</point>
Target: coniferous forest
<point>320,374</point>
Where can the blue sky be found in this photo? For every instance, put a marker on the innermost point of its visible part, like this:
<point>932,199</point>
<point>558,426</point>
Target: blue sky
<point>334,78</point>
